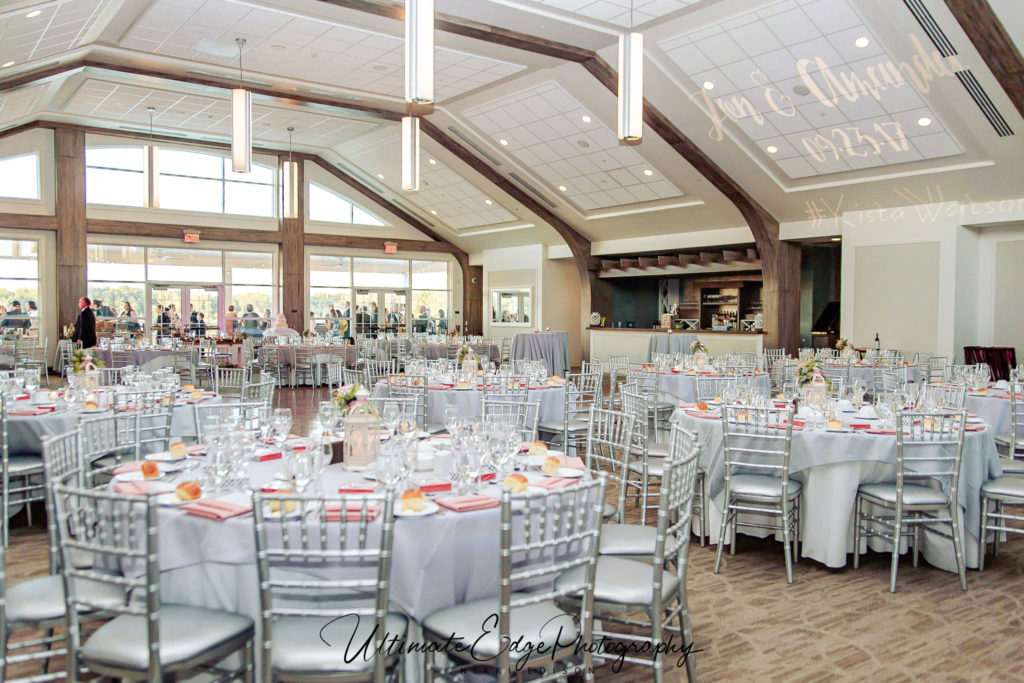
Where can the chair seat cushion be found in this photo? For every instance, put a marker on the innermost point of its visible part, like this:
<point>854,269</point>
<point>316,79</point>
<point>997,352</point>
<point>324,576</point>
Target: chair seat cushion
<point>19,465</point>
<point>623,582</point>
<point>475,622</point>
<point>42,599</point>
<point>627,539</point>
<point>609,511</point>
<point>760,487</point>
<point>298,642</point>
<point>655,467</point>
<point>185,632</point>
<point>557,427</point>
<point>913,494</point>
<point>1012,465</point>
<point>656,450</point>
<point>1004,440</point>
<point>1005,487</point>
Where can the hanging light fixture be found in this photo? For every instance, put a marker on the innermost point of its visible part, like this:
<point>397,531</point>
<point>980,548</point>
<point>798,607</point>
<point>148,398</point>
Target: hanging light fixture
<point>410,153</point>
<point>241,121</point>
<point>290,183</point>
<point>419,51</point>
<point>151,187</point>
<point>631,84</point>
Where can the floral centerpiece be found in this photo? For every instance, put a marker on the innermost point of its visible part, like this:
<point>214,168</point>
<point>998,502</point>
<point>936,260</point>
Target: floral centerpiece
<point>82,361</point>
<point>808,372</point>
<point>345,395</point>
<point>465,353</point>
<point>845,347</point>
<point>68,332</point>
<point>696,346</point>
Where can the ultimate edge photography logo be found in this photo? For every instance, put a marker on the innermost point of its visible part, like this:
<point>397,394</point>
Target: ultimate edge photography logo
<point>555,636</point>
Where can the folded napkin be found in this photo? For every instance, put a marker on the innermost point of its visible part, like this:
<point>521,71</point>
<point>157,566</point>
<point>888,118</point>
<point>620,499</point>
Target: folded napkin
<point>891,432</point>
<point>859,425</point>
<point>128,467</point>
<point>436,488</point>
<point>436,387</point>
<point>215,509</point>
<point>486,477</point>
<point>197,449</point>
<point>539,388</point>
<point>554,482</point>
<point>30,412</point>
<point>703,414</point>
<point>687,405</point>
<point>974,428</point>
<point>356,489</point>
<point>353,512</point>
<point>22,398</point>
<point>270,456</point>
<point>132,488</point>
<point>572,463</point>
<point>468,503</point>
<point>440,436</point>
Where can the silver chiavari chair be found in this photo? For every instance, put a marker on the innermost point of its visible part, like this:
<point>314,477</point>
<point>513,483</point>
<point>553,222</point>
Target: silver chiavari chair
<point>559,536</point>
<point>609,438</point>
<point>246,416</point>
<point>647,456</point>
<point>335,375</point>
<point>1009,445</point>
<point>228,382</point>
<point>582,392</point>
<point>22,475</point>
<point>619,590</point>
<point>934,370</point>
<point>757,445</point>
<point>106,442</point>
<point>414,387</point>
<point>943,396</point>
<point>998,493</point>
<point>407,407</point>
<point>506,387</point>
<point>378,370</point>
<point>114,376</point>
<point>525,414</point>
<point>143,638</point>
<point>121,359</point>
<point>618,368</point>
<point>929,446</point>
<point>836,369</point>
<point>351,377</point>
<point>783,370</point>
<point>304,369</point>
<point>710,388</point>
<point>324,568</point>
<point>261,391</point>
<point>152,413</point>
<point>506,349</point>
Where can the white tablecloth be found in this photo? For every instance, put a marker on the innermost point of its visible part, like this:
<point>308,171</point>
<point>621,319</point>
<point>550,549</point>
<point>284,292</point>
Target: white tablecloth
<point>994,411</point>
<point>831,466</point>
<point>551,399</point>
<point>866,374</point>
<point>550,347</point>
<point>683,385</point>
<point>669,343</point>
<point>440,351</point>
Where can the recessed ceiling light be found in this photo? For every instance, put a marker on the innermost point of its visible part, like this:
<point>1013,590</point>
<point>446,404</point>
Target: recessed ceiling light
<point>708,85</point>
<point>33,14</point>
<point>586,119</point>
<point>563,188</point>
<point>503,142</point>
<point>488,202</point>
<point>648,172</point>
<point>772,149</point>
<point>433,211</point>
<point>278,47</point>
<point>6,64</point>
<point>837,239</point>
<point>433,162</point>
<point>924,121</point>
<point>380,176</point>
<point>862,41</point>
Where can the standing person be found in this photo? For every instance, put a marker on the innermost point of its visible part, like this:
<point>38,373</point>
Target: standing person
<point>442,322</point>
<point>230,319</point>
<point>193,319</point>
<point>85,324</point>
<point>33,310</point>
<point>265,321</point>
<point>131,325</point>
<point>201,325</point>
<point>346,313</point>
<point>250,322</point>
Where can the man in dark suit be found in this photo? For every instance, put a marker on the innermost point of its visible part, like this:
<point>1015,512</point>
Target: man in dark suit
<point>85,324</point>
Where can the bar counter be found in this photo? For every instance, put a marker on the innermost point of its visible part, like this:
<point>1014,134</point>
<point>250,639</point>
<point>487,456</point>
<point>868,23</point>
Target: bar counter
<point>635,342</point>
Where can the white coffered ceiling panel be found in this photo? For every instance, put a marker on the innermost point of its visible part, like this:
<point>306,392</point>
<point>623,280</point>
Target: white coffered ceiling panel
<point>19,103</point>
<point>200,113</point>
<point>296,47</point>
<point>59,27</point>
<point>444,195</point>
<point>553,135</point>
<point>832,117</point>
<point>616,12</point>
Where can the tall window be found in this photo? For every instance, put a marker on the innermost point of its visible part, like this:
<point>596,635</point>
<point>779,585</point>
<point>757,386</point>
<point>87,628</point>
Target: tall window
<point>194,181</point>
<point>116,275</point>
<point>331,207</point>
<point>251,275</point>
<point>115,175</point>
<point>430,296</point>
<point>19,176</point>
<point>19,285</point>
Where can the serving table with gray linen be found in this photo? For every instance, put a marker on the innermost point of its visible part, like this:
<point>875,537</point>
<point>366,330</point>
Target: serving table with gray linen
<point>993,407</point>
<point>145,359</point>
<point>550,347</point>
<point>26,433</point>
<point>669,343</point>
<point>831,465</point>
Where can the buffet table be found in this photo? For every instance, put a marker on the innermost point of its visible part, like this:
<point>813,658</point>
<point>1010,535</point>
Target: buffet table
<point>640,344</point>
<point>550,347</point>
<point>831,465</point>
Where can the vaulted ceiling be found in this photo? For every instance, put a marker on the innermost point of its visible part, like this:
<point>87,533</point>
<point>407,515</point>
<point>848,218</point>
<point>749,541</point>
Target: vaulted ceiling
<point>809,105</point>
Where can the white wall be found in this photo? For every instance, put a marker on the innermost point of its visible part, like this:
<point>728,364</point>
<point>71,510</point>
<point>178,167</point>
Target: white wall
<point>513,267</point>
<point>560,303</point>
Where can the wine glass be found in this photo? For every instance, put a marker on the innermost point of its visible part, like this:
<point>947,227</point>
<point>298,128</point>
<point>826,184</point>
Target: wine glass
<point>388,466</point>
<point>281,426</point>
<point>389,420</point>
<point>31,380</point>
<point>326,413</point>
<point>301,466</point>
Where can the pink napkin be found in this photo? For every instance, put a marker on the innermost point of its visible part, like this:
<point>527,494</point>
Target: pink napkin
<point>215,509</point>
<point>436,387</point>
<point>554,482</point>
<point>30,412</point>
<point>702,414</point>
<point>687,405</point>
<point>132,488</point>
<point>355,489</point>
<point>486,477</point>
<point>23,398</point>
<point>468,503</point>
<point>198,449</point>
<point>353,512</point>
<point>890,432</point>
<point>974,428</point>
<point>270,456</point>
<point>128,467</point>
<point>440,436</point>
<point>436,488</point>
<point>539,388</point>
<point>571,462</point>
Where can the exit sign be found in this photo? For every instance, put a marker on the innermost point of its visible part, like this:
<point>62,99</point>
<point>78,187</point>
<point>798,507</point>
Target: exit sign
<point>390,248</point>
<point>191,238</point>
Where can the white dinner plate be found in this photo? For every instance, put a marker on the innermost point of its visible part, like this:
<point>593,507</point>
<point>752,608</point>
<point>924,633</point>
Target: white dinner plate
<point>429,508</point>
<point>137,476</point>
<point>294,514</point>
<point>170,499</point>
<point>975,421</point>
<point>838,431</point>
<point>569,472</point>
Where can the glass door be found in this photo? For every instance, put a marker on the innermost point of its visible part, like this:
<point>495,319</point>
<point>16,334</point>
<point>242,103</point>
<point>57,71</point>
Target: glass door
<point>380,310</point>
<point>165,308</point>
<point>396,316</point>
<point>204,303</point>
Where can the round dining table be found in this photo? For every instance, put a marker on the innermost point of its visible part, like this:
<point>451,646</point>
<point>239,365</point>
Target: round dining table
<point>865,374</point>
<point>831,465</point>
<point>440,396</point>
<point>683,384</point>
<point>992,406</point>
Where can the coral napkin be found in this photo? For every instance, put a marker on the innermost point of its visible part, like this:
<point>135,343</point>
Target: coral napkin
<point>891,432</point>
<point>486,477</point>
<point>30,412</point>
<point>353,512</point>
<point>356,489</point>
<point>198,449</point>
<point>702,414</point>
<point>571,462</point>
<point>539,388</point>
<point>128,467</point>
<point>468,503</point>
<point>687,405</point>
<point>436,488</point>
<point>132,488</point>
<point>974,428</point>
<point>554,482</point>
<point>270,456</point>
<point>215,509</point>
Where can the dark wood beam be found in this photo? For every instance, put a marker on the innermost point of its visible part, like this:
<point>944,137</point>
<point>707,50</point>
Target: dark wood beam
<point>993,43</point>
<point>69,152</point>
<point>14,130</point>
<point>27,221</point>
<point>106,226</point>
<point>648,261</point>
<point>377,243</point>
<point>664,260</point>
<point>293,255</point>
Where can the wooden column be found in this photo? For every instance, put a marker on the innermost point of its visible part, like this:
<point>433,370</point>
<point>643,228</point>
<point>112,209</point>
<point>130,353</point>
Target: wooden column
<point>69,147</point>
<point>780,295</point>
<point>473,304</point>
<point>293,300</point>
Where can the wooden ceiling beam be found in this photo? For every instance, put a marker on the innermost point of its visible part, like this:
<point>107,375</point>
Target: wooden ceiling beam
<point>25,221</point>
<point>993,43</point>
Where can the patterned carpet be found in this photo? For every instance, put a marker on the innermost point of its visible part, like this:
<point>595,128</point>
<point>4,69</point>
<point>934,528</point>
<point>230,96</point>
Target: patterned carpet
<point>830,624</point>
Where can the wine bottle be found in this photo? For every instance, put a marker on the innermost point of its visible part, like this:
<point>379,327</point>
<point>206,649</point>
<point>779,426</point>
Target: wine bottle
<point>878,344</point>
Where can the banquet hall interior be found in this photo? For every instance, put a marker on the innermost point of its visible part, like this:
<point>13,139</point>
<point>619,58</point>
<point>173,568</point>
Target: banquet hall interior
<point>622,340</point>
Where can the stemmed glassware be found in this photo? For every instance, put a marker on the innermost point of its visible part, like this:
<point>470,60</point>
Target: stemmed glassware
<point>281,426</point>
<point>388,466</point>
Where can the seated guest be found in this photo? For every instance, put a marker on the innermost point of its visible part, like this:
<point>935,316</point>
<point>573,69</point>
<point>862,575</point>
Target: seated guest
<point>250,322</point>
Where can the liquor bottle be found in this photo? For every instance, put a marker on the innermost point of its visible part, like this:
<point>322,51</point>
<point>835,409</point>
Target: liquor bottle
<point>878,344</point>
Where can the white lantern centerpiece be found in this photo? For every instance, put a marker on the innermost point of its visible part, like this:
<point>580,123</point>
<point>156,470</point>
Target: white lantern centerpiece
<point>469,363</point>
<point>699,353</point>
<point>361,424</point>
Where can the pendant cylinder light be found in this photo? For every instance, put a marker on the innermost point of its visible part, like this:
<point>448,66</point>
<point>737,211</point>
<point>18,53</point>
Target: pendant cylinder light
<point>411,153</point>
<point>419,51</point>
<point>290,183</point>
<point>241,121</point>
<point>631,87</point>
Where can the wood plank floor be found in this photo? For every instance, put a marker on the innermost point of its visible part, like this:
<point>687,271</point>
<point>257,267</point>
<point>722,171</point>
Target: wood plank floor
<point>840,625</point>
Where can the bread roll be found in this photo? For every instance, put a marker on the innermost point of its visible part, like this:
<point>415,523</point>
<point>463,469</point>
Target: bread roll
<point>188,490</point>
<point>412,500</point>
<point>551,465</point>
<point>516,483</point>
